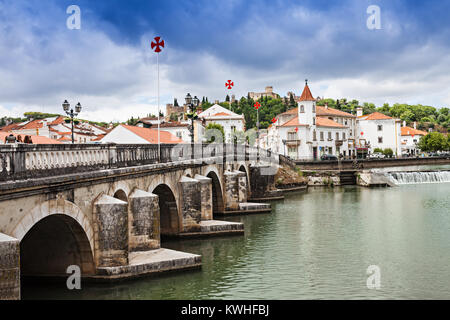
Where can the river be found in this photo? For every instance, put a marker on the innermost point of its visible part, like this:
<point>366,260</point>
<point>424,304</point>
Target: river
<point>314,245</point>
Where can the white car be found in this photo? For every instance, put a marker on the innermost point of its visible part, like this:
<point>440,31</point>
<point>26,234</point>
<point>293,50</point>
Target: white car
<point>377,155</point>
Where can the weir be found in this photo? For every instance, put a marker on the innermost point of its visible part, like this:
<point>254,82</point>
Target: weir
<point>419,177</point>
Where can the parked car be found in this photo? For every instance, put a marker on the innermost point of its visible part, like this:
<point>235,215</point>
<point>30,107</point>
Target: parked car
<point>328,157</point>
<point>434,154</point>
<point>376,155</point>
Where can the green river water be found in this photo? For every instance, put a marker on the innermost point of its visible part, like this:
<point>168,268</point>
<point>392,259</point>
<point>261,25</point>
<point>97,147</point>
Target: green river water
<point>314,245</point>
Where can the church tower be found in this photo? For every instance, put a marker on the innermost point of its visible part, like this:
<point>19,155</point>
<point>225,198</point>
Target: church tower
<point>307,107</point>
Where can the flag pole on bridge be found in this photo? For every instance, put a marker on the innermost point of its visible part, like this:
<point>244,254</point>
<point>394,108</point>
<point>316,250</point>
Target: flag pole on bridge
<point>157,44</point>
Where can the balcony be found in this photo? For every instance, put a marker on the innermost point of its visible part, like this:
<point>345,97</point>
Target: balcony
<point>292,142</point>
<point>339,143</point>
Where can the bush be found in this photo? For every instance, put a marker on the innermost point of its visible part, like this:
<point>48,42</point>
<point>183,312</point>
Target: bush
<point>378,150</point>
<point>388,152</point>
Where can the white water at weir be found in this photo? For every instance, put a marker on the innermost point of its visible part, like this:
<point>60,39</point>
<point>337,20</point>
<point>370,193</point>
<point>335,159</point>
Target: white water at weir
<point>419,177</point>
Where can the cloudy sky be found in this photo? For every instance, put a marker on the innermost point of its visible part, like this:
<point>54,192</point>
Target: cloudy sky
<point>109,67</point>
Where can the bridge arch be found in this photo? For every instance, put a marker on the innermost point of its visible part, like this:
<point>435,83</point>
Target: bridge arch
<point>54,235</point>
<point>168,210</point>
<point>52,245</point>
<point>121,195</point>
<point>217,193</point>
<point>51,207</point>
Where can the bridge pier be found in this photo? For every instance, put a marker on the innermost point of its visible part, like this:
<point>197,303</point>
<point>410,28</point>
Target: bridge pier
<point>110,232</point>
<point>206,197</point>
<point>9,268</point>
<point>143,221</point>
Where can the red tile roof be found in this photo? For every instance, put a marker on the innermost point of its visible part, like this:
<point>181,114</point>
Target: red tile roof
<point>292,123</point>
<point>58,120</point>
<point>306,95</point>
<point>34,139</point>
<point>322,111</point>
<point>151,135</point>
<point>320,122</point>
<point>375,116</point>
<point>35,124</point>
<point>325,122</point>
<point>99,137</point>
<point>64,139</point>
<point>10,127</point>
<point>407,131</point>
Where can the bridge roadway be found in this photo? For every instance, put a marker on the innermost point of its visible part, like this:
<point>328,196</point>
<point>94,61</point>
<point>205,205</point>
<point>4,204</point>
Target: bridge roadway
<point>106,207</point>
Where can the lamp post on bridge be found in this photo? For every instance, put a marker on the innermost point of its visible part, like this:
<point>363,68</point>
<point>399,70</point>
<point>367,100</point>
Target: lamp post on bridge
<point>71,113</point>
<point>192,104</point>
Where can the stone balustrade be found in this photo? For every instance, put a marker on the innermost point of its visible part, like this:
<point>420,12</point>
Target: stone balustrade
<point>24,161</point>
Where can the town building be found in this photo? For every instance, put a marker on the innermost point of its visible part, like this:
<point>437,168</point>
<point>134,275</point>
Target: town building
<point>29,139</point>
<point>379,131</point>
<point>230,121</point>
<point>56,128</point>
<point>310,131</point>
<point>267,93</point>
<point>410,139</point>
<point>127,134</point>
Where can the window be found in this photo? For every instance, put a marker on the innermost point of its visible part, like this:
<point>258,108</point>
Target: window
<point>314,135</point>
<point>346,122</point>
<point>380,127</point>
<point>314,121</point>
<point>292,135</point>
<point>302,109</point>
<point>337,135</point>
<point>233,128</point>
<point>179,134</point>
<point>329,135</point>
<point>380,139</point>
<point>343,135</point>
<point>314,108</point>
<point>351,132</point>
<point>321,135</point>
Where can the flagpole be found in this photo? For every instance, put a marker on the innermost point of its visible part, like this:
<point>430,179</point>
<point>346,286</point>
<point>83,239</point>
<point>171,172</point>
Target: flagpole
<point>159,141</point>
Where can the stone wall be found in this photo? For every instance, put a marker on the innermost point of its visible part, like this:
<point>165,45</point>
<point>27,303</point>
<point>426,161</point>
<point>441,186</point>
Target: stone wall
<point>9,268</point>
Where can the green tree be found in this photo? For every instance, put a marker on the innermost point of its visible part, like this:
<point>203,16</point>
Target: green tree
<point>292,103</point>
<point>433,141</point>
<point>227,98</point>
<point>388,152</point>
<point>175,102</point>
<point>211,133</point>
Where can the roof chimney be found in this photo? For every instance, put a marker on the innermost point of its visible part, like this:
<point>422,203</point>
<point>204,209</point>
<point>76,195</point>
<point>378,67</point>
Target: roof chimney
<point>359,112</point>
<point>415,125</point>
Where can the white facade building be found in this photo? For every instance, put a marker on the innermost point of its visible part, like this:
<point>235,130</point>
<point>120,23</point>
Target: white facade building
<point>410,139</point>
<point>310,131</point>
<point>230,121</point>
<point>380,131</point>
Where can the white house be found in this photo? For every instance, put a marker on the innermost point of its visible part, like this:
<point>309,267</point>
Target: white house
<point>309,131</point>
<point>410,139</point>
<point>379,131</point>
<point>137,135</point>
<point>230,121</point>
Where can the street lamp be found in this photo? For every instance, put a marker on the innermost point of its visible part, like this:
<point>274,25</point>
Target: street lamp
<point>192,104</point>
<point>71,113</point>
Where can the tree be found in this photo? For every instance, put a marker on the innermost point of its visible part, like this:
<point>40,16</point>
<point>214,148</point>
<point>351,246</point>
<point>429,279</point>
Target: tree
<point>378,150</point>
<point>292,103</point>
<point>211,133</point>
<point>433,141</point>
<point>388,152</point>
<point>175,102</point>
<point>227,98</point>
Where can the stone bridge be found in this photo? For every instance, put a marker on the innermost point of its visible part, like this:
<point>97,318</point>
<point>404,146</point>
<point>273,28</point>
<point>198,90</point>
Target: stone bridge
<point>104,208</point>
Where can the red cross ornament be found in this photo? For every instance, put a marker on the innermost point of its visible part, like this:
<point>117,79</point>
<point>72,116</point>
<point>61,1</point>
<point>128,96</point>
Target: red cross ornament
<point>157,44</point>
<point>296,129</point>
<point>229,84</point>
<point>257,105</point>
<point>274,120</point>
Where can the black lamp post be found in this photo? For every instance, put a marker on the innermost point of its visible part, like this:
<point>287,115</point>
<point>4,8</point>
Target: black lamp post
<point>71,113</point>
<point>192,104</point>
